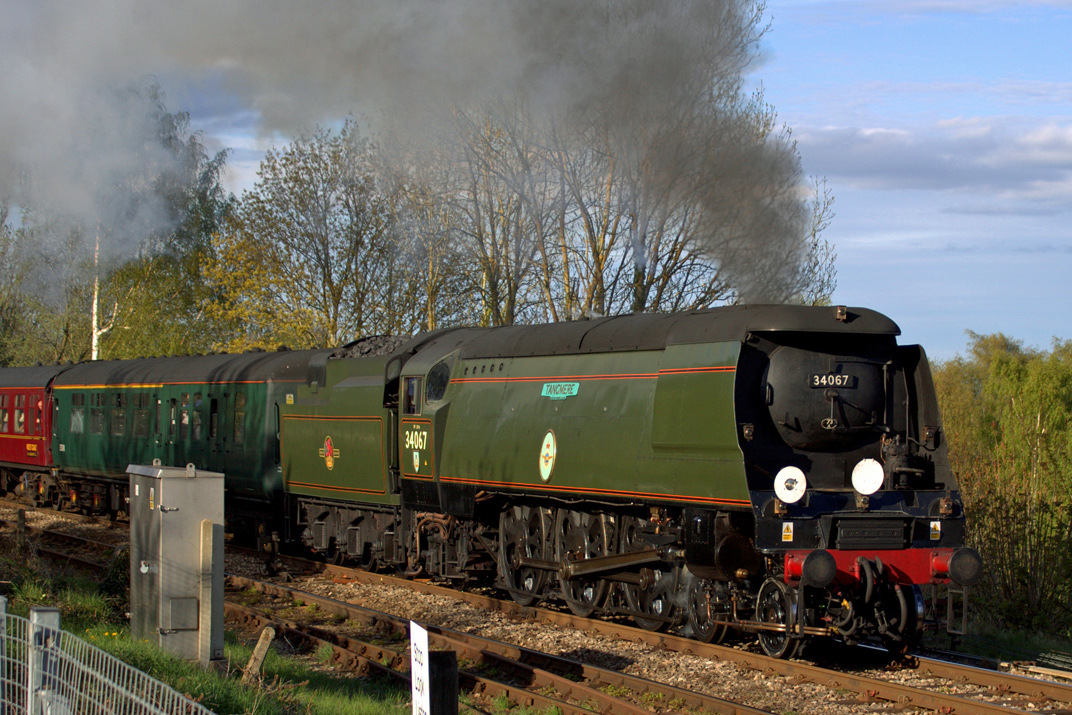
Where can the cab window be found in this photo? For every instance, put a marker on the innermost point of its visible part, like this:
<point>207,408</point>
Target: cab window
<point>438,378</point>
<point>411,396</point>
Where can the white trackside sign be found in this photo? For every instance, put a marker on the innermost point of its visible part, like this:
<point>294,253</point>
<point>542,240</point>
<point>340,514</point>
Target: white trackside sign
<point>418,669</point>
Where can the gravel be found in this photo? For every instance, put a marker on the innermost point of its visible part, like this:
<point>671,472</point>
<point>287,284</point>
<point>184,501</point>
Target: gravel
<point>773,692</point>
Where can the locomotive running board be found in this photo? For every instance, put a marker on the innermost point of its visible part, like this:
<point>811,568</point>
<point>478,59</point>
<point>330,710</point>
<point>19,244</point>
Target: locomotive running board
<point>596,565</point>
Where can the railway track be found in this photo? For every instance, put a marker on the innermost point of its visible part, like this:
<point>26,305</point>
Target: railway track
<point>526,677</point>
<point>1011,690</point>
<point>982,690</point>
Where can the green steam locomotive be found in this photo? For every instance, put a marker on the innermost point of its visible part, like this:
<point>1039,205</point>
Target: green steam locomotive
<point>771,469</point>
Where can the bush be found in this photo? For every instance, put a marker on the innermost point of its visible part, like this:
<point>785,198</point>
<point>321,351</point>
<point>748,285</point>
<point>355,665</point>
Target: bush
<point>1008,417</point>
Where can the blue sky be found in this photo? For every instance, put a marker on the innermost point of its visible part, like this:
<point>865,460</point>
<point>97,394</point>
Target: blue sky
<point>944,130</point>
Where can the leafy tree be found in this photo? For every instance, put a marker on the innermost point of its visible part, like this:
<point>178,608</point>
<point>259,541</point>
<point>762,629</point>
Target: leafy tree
<point>1008,412</point>
<point>309,257</point>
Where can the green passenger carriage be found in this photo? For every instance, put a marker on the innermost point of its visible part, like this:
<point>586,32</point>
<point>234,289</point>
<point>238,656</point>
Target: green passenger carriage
<point>218,412</point>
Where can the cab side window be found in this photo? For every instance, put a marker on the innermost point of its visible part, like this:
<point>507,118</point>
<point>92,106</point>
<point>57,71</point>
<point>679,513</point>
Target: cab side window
<point>411,396</point>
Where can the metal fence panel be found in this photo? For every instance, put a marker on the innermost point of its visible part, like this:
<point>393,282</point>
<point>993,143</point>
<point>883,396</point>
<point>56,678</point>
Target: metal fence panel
<point>47,671</point>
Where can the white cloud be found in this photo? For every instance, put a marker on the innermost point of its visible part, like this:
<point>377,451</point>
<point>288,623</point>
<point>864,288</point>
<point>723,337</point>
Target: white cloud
<point>971,156</point>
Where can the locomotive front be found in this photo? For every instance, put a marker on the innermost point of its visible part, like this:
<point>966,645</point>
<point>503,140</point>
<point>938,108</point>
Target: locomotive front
<point>853,498</point>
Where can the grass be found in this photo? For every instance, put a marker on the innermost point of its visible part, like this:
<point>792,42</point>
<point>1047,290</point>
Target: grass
<point>1004,644</point>
<point>288,686</point>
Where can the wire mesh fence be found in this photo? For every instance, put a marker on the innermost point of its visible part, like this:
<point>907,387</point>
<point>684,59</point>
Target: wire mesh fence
<point>46,671</point>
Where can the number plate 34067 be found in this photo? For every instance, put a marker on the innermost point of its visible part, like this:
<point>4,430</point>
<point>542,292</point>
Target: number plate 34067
<point>832,380</point>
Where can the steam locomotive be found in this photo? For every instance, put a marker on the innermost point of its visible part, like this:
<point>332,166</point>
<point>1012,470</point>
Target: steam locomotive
<point>779,470</point>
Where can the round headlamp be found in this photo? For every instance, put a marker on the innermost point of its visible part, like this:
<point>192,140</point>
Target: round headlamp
<point>868,476</point>
<point>789,484</point>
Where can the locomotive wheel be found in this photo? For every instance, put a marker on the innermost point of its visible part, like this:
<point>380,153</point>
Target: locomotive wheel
<point>582,536</point>
<point>523,532</point>
<point>774,604</point>
<point>656,597</point>
<point>703,604</point>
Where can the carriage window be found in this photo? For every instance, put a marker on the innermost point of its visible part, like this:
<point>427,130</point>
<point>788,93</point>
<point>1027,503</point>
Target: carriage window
<point>119,415</point>
<point>195,416</point>
<point>96,413</point>
<point>213,418</point>
<point>184,416</point>
<point>240,418</point>
<point>411,398</point>
<point>35,417</point>
<point>438,378</point>
<point>141,414</point>
<point>78,413</point>
<point>3,413</point>
<point>20,414</point>
<point>171,421</point>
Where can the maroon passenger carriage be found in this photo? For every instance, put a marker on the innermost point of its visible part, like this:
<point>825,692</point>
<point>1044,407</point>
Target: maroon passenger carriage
<point>26,431</point>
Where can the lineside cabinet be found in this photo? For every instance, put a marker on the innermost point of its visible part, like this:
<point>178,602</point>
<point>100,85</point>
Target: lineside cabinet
<point>176,560</point>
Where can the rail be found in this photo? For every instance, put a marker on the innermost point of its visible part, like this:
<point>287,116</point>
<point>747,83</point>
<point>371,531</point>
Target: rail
<point>47,671</point>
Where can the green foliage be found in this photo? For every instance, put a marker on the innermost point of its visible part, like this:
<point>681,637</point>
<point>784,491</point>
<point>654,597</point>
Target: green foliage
<point>286,687</point>
<point>308,258</point>
<point>1008,414</point>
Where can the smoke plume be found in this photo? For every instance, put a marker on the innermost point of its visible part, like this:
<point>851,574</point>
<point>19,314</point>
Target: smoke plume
<point>64,138</point>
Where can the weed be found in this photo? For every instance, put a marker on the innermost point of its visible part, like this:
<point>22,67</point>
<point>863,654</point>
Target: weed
<point>324,653</point>
<point>617,691</point>
<point>502,704</point>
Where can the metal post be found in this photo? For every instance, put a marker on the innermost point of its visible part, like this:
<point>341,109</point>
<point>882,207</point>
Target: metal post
<point>210,594</point>
<point>20,531</point>
<point>42,666</point>
<point>6,687</point>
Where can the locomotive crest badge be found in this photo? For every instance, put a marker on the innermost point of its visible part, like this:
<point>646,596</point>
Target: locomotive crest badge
<point>328,453</point>
<point>548,452</point>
